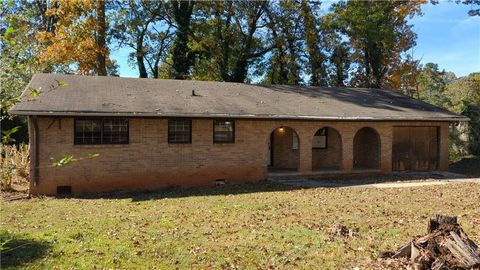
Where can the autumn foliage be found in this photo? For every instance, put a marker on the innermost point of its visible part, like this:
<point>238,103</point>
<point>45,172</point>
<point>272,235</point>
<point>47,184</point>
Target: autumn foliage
<point>74,36</point>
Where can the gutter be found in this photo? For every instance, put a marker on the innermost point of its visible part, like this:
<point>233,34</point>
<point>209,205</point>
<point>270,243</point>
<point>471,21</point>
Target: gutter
<point>36,151</point>
<point>241,116</point>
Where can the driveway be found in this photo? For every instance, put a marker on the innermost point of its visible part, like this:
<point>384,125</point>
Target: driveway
<point>394,180</point>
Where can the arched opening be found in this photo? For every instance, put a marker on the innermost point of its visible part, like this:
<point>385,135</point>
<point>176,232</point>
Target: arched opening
<point>366,149</point>
<point>284,149</point>
<point>326,150</point>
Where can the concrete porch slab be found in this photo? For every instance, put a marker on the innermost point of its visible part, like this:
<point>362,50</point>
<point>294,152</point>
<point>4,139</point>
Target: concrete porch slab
<point>320,174</point>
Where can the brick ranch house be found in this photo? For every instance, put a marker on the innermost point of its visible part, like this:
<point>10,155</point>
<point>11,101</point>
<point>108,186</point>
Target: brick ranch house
<point>156,133</point>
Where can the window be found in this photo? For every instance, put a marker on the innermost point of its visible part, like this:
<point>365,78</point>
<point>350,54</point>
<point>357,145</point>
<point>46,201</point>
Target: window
<point>294,141</point>
<point>101,131</point>
<point>115,131</point>
<point>320,139</point>
<point>179,131</point>
<point>223,131</point>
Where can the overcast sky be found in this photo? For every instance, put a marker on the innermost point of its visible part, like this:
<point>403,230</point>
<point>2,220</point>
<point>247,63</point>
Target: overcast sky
<point>446,36</point>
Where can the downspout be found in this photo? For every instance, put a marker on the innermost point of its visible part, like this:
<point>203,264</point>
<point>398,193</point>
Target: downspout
<point>36,153</point>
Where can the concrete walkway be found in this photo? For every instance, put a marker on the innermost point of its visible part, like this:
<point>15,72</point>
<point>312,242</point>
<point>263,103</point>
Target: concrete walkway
<point>416,180</point>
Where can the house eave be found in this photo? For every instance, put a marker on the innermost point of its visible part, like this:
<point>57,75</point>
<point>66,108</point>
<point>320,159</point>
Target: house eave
<point>242,116</point>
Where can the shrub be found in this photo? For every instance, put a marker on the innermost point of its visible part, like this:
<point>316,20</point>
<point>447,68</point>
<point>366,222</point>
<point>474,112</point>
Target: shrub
<point>14,165</point>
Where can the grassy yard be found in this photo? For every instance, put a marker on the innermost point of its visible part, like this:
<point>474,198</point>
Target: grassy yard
<point>259,226</point>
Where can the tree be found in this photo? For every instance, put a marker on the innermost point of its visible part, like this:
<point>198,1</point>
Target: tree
<point>248,18</point>
<point>379,34</point>
<point>285,63</point>
<point>340,60</point>
<point>100,36</point>
<point>20,21</point>
<point>182,56</point>
<point>460,95</point>
<point>226,41</point>
<point>432,85</point>
<point>463,95</point>
<point>143,26</point>
<point>77,36</point>
<point>316,58</point>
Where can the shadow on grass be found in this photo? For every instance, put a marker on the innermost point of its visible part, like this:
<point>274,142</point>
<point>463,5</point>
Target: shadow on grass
<point>176,192</point>
<point>468,166</point>
<point>283,184</point>
<point>17,250</point>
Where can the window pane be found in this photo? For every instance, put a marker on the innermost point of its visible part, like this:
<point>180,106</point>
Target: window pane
<point>320,139</point>
<point>179,131</point>
<point>223,131</point>
<point>115,131</point>
<point>88,131</point>
<point>101,131</point>
<point>294,141</point>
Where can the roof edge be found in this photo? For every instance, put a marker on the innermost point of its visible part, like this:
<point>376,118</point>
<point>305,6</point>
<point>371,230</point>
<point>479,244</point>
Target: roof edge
<point>245,116</point>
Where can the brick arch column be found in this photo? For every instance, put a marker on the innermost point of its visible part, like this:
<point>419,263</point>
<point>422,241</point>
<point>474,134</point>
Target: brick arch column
<point>386,136</point>
<point>305,162</point>
<point>347,131</point>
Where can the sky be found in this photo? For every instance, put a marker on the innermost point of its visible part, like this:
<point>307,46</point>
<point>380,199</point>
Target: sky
<point>446,35</point>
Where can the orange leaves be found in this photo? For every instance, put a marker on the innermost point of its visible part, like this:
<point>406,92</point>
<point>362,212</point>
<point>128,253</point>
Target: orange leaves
<point>74,38</point>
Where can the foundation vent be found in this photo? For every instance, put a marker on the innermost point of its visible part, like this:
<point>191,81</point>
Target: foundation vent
<point>219,182</point>
<point>64,190</point>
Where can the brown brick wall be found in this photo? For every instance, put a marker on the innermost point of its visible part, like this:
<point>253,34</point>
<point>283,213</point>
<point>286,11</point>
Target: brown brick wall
<point>329,158</point>
<point>149,162</point>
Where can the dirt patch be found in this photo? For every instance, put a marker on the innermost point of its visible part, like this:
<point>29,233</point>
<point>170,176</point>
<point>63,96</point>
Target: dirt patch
<point>344,231</point>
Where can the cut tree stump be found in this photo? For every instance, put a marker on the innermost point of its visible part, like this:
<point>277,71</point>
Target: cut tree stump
<point>445,247</point>
<point>437,220</point>
<point>464,253</point>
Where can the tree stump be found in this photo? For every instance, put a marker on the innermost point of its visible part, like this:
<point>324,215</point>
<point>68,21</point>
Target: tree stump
<point>446,246</point>
<point>437,220</point>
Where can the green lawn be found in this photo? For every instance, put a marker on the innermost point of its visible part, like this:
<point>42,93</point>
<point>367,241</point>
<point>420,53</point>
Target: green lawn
<point>231,227</point>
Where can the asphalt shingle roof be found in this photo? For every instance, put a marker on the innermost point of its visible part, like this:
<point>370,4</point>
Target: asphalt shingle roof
<point>94,95</point>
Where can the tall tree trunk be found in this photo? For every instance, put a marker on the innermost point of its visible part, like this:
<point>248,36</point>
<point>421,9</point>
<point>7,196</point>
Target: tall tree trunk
<point>182,58</point>
<point>142,70</point>
<point>48,22</point>
<point>312,38</point>
<point>140,56</point>
<point>340,60</point>
<point>367,67</point>
<point>154,69</point>
<point>101,34</point>
<point>241,66</point>
<point>223,60</point>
